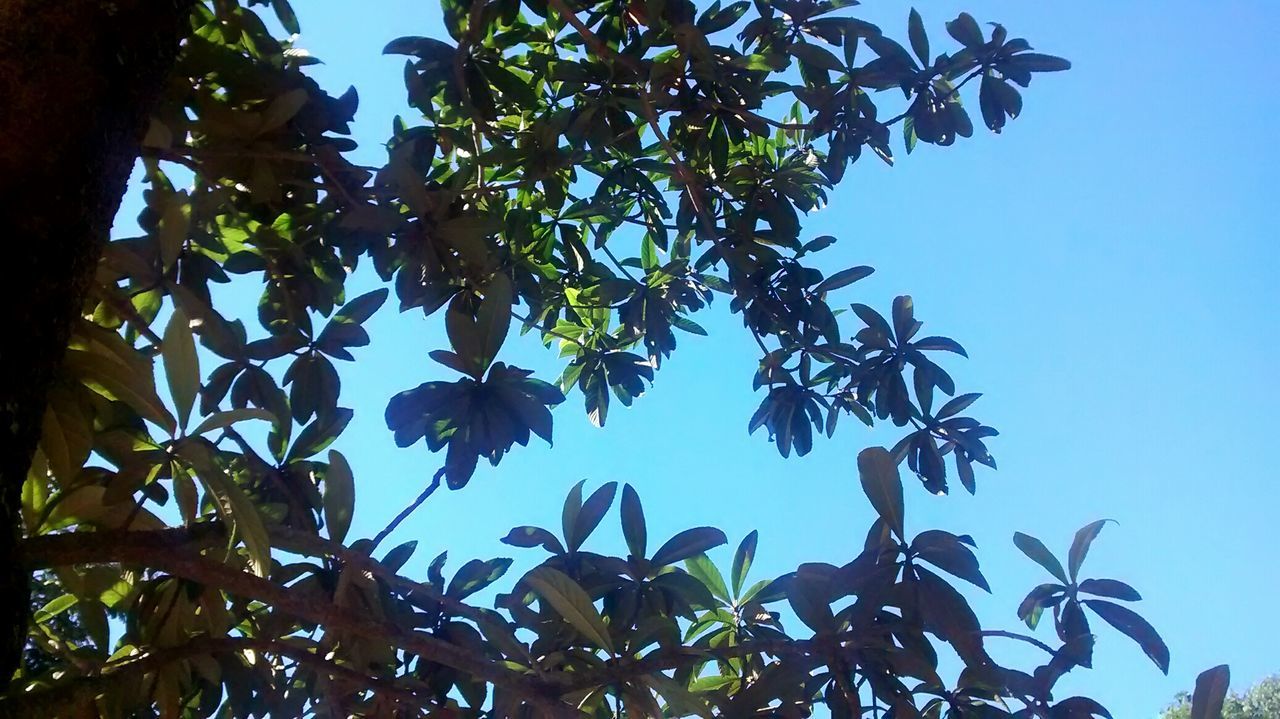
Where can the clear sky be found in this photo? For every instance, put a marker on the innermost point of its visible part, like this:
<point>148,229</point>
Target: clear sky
<point>1109,262</point>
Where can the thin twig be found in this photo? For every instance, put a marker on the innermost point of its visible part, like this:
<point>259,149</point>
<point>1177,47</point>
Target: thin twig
<point>1019,637</point>
<point>404,513</point>
<point>749,115</point>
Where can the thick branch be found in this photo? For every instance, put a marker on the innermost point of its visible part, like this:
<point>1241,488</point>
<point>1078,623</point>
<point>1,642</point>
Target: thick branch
<point>75,696</point>
<point>170,551</point>
<point>78,81</point>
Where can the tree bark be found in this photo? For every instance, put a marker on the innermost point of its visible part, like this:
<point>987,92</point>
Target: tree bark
<point>78,79</point>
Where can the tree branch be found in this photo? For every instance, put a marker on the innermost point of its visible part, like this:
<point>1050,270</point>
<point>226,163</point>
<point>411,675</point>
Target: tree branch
<point>78,693</point>
<point>169,551</point>
<point>1019,637</point>
<point>404,513</point>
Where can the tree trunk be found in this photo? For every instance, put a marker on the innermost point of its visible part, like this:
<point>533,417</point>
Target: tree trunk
<point>77,81</point>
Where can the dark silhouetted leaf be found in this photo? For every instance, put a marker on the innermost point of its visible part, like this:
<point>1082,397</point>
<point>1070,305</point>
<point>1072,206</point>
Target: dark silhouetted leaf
<point>742,560</point>
<point>1211,692</point>
<point>1080,545</point>
<point>843,278</point>
<point>1110,588</point>
<point>1135,627</point>
<point>688,543</point>
<point>533,537</point>
<point>883,486</point>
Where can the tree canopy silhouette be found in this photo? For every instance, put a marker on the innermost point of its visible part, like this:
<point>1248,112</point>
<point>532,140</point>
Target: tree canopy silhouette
<point>591,174</point>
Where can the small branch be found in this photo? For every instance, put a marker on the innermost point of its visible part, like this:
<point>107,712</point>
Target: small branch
<point>749,115</point>
<point>162,551</point>
<point>678,657</point>
<point>609,253</point>
<point>1019,637</point>
<point>79,691</point>
<point>616,262</point>
<point>404,513</point>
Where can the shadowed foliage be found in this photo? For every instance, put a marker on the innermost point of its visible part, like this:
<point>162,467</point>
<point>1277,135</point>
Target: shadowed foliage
<point>587,175</point>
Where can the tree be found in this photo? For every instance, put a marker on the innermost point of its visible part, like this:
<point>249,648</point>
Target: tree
<point>594,174</point>
<point>1262,701</point>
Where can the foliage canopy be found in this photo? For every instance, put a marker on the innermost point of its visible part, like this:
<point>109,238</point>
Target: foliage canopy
<point>594,175</point>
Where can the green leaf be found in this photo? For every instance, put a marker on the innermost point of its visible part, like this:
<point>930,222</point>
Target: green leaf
<point>704,570</point>
<point>359,310</point>
<point>318,435</point>
<point>1036,600</point>
<point>742,560</point>
<point>648,254</point>
<point>1211,692</point>
<point>55,607</point>
<point>493,319</point>
<point>339,496</point>
<point>1040,554</point>
<point>817,56</point>
<point>684,323</point>
<point>688,543</point>
<point>121,383</point>
<point>475,575</point>
<point>1135,627</point>
<point>234,505</point>
<point>220,420</point>
<point>680,701</point>
<point>633,527</point>
<point>571,602</point>
<point>883,486</point>
<point>714,20</point>
<point>172,230</point>
<point>1080,545</point>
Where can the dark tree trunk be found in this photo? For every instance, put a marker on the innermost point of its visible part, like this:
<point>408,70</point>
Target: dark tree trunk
<point>77,81</point>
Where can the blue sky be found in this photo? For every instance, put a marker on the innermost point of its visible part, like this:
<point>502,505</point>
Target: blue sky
<point>1109,262</point>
